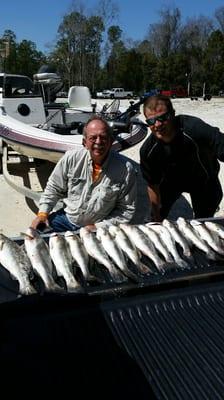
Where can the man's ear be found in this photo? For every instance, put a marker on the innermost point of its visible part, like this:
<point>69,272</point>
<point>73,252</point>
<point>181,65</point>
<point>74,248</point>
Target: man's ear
<point>84,142</point>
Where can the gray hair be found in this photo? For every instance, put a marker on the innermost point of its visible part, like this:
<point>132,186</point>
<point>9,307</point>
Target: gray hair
<point>109,130</point>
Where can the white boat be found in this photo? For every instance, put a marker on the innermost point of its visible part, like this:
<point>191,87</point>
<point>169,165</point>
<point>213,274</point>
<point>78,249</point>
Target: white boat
<point>45,131</point>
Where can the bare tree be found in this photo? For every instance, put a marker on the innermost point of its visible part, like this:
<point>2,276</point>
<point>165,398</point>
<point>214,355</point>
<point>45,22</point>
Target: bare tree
<point>196,32</point>
<point>219,16</point>
<point>164,35</point>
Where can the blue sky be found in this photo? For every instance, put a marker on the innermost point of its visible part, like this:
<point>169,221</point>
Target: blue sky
<point>38,21</point>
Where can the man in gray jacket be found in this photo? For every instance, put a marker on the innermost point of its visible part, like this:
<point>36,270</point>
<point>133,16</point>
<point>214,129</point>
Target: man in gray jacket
<point>97,185</point>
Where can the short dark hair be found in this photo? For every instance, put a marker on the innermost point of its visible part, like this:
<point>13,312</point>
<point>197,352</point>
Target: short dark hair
<point>94,117</point>
<point>152,102</point>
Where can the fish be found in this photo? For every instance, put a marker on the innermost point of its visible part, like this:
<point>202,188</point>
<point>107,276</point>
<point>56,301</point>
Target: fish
<point>169,242</point>
<point>114,251</point>
<point>187,230</point>
<point>95,249</point>
<point>155,238</point>
<point>80,255</point>
<point>39,255</point>
<point>128,248</point>
<point>62,258</point>
<point>144,245</point>
<point>215,227</point>
<point>178,237</point>
<point>211,238</point>
<point>13,258</point>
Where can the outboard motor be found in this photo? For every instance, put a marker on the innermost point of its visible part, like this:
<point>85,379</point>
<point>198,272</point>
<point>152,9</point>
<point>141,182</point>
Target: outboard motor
<point>49,82</point>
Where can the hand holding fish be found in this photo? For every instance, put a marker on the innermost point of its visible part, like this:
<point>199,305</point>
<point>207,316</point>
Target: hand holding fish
<point>91,228</point>
<point>40,221</point>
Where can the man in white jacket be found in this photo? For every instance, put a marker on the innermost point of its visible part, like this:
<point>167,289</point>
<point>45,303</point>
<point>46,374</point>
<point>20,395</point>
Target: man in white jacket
<point>97,185</point>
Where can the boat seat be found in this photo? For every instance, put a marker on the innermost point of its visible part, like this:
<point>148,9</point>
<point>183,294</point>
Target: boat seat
<point>79,97</point>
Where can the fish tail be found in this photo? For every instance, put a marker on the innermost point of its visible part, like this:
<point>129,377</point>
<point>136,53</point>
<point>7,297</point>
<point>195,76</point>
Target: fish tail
<point>54,287</point>
<point>161,266</point>
<point>212,255</point>
<point>27,290</point>
<point>117,276</point>
<point>183,264</point>
<point>131,275</point>
<point>144,269</point>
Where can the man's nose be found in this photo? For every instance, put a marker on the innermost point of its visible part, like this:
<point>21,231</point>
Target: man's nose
<point>158,123</point>
<point>98,139</point>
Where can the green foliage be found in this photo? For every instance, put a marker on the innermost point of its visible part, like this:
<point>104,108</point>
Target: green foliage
<point>19,58</point>
<point>171,54</point>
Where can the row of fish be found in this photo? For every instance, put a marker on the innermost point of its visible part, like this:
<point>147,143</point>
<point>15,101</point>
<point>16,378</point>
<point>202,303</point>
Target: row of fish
<point>113,247</point>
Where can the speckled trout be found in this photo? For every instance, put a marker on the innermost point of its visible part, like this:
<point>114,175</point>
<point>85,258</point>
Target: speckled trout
<point>170,243</point>
<point>128,248</point>
<point>95,249</point>
<point>194,238</point>
<point>158,243</point>
<point>39,255</point>
<point>143,244</point>
<point>215,227</point>
<point>208,236</point>
<point>113,249</point>
<point>178,237</point>
<point>14,259</point>
<point>79,254</point>
<point>63,261</point>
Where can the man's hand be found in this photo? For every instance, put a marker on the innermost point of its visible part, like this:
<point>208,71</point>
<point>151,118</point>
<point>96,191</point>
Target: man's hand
<point>155,215</point>
<point>40,222</point>
<point>91,228</point>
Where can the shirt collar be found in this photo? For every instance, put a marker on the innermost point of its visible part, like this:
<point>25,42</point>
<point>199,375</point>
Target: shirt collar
<point>105,163</point>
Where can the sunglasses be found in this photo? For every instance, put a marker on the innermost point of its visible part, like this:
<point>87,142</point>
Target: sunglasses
<point>161,118</point>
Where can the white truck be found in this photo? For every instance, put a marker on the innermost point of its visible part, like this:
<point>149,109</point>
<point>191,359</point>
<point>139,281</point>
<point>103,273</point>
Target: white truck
<point>105,94</point>
<point>115,93</point>
<point>120,93</point>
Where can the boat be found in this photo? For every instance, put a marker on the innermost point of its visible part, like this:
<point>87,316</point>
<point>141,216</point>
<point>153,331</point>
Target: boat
<point>34,126</point>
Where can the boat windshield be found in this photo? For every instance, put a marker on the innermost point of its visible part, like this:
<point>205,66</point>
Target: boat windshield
<point>18,86</point>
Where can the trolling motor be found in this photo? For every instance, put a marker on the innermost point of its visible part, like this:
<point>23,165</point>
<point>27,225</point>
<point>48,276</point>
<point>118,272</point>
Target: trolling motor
<point>124,121</point>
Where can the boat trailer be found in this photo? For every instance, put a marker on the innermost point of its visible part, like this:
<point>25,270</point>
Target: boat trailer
<point>24,190</point>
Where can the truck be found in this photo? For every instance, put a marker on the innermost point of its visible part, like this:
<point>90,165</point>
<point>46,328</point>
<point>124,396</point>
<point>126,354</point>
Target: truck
<point>120,93</point>
<point>105,94</point>
<point>115,93</point>
<point>175,92</point>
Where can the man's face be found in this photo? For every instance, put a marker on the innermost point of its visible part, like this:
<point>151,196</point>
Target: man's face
<point>160,122</point>
<point>97,141</point>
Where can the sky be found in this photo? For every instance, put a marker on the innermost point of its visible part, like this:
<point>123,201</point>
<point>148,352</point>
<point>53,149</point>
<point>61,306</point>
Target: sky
<point>39,21</point>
